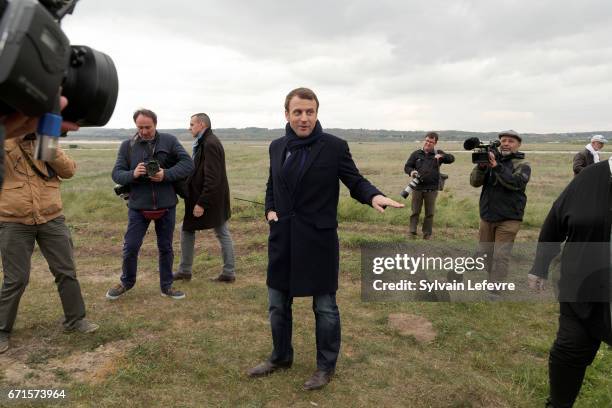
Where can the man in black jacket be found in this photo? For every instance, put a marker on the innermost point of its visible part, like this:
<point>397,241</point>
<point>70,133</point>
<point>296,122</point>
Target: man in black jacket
<point>502,202</point>
<point>584,285</point>
<point>207,204</point>
<point>150,163</point>
<point>301,207</point>
<point>426,162</point>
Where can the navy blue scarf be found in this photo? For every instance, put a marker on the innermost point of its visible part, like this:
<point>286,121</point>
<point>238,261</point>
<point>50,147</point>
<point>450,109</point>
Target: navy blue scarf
<point>298,149</point>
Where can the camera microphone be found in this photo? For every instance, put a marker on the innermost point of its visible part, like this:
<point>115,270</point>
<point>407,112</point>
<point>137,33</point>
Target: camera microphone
<point>471,143</point>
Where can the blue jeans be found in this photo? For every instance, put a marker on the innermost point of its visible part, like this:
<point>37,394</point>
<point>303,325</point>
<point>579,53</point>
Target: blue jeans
<point>136,230</point>
<point>327,321</point>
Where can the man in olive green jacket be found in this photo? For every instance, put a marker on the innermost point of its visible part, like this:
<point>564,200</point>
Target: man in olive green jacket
<point>31,211</point>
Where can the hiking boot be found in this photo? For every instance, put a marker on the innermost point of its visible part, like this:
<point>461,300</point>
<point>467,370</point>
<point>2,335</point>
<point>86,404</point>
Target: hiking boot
<point>116,291</point>
<point>173,293</point>
<point>4,342</point>
<point>181,276</point>
<point>83,326</point>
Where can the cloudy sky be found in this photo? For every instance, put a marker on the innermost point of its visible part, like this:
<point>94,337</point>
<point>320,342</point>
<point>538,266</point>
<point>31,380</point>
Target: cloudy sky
<point>482,65</point>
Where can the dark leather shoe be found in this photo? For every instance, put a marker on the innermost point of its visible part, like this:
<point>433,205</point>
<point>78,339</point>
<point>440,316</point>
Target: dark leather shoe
<point>181,276</point>
<point>223,278</point>
<point>266,368</point>
<point>318,380</point>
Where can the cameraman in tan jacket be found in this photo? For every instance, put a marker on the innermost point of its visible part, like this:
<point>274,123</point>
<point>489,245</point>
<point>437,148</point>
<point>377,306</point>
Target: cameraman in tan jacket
<point>31,211</point>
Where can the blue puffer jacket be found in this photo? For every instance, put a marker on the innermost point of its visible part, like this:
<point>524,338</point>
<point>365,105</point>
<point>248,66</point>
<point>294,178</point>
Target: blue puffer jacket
<point>145,194</point>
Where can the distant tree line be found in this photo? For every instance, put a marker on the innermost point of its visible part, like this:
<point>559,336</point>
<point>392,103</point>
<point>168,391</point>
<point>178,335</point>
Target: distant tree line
<point>365,135</point>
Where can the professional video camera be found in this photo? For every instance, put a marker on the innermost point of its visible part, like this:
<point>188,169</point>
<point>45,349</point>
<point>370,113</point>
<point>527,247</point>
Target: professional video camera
<point>482,149</point>
<point>36,58</point>
<point>416,180</point>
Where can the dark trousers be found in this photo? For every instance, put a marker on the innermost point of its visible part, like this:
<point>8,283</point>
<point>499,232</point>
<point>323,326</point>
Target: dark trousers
<point>16,245</point>
<point>327,321</point>
<point>418,198</point>
<point>136,230</point>
<point>574,349</point>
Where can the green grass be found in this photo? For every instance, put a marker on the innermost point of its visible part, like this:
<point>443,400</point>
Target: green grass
<point>152,351</point>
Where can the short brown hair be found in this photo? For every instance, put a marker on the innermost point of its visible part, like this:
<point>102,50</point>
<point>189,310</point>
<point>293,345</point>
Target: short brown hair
<point>302,93</point>
<point>146,112</point>
<point>432,135</point>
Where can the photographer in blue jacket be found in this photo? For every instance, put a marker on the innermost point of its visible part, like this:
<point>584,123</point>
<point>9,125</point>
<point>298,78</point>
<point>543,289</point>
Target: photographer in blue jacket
<point>150,163</point>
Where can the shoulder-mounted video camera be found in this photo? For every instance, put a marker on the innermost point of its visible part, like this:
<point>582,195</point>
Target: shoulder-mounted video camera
<point>480,155</point>
<point>36,58</point>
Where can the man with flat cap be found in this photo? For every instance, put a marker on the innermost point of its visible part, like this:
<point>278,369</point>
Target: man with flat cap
<point>590,154</point>
<point>502,202</point>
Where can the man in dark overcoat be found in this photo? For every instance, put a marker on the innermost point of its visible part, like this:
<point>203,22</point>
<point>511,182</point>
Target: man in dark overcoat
<point>303,255</point>
<point>207,201</point>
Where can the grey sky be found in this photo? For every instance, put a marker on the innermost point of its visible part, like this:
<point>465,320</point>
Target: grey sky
<point>535,66</point>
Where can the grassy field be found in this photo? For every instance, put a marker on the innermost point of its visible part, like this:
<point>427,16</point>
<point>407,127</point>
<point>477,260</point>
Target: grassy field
<point>151,351</point>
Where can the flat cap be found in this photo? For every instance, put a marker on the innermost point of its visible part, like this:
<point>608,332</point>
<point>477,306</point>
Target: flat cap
<point>599,138</point>
<point>510,133</point>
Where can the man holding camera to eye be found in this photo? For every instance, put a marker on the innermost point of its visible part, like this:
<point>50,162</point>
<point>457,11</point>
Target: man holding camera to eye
<point>31,212</point>
<point>426,163</point>
<point>150,163</point>
<point>502,201</point>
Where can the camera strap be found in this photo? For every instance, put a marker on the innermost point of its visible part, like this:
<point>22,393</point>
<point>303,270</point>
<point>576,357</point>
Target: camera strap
<point>35,169</point>
<point>151,150</point>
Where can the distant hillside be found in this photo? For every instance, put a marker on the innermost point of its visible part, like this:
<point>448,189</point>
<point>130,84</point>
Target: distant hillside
<point>264,134</point>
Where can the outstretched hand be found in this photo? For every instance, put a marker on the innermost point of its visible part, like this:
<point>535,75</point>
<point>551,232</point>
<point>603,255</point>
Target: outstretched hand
<point>380,202</point>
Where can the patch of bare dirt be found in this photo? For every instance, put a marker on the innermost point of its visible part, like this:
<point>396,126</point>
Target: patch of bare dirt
<point>92,366</point>
<point>412,325</point>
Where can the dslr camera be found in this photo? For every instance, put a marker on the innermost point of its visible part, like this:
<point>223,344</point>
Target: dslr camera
<point>152,167</point>
<point>480,155</point>
<point>416,180</point>
<point>36,59</point>
<point>122,191</point>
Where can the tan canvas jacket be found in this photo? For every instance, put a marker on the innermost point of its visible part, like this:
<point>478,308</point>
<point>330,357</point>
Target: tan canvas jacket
<point>27,198</point>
